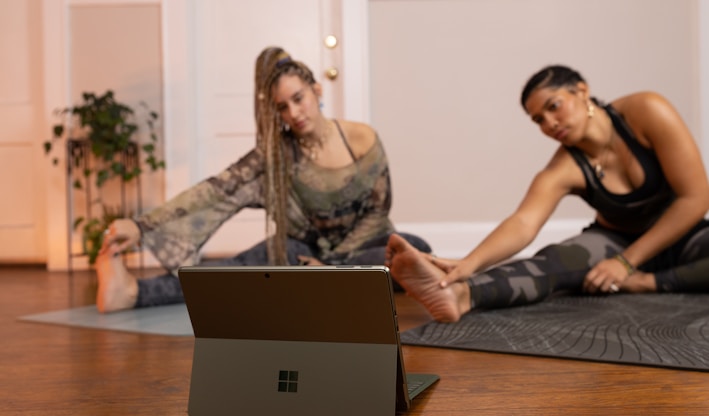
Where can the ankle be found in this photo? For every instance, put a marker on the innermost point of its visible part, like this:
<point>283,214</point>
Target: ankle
<point>462,296</point>
<point>640,282</point>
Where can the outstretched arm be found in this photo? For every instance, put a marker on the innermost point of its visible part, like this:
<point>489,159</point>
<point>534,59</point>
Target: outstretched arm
<point>519,229</point>
<point>175,231</point>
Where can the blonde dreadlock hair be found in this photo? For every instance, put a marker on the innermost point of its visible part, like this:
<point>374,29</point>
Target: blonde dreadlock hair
<point>265,64</point>
<point>271,142</point>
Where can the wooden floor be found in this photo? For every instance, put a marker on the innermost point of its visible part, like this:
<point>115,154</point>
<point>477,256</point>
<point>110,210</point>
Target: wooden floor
<point>56,370</point>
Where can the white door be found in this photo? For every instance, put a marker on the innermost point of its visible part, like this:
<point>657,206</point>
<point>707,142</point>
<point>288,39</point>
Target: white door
<point>225,39</point>
<point>22,225</point>
<point>209,51</point>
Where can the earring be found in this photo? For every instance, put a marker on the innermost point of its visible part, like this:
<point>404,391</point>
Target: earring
<point>321,105</point>
<point>591,110</point>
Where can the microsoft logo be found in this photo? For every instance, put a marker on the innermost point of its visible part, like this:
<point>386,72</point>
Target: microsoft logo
<point>288,381</point>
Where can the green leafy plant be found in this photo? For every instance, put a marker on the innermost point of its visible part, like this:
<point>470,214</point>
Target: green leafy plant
<point>93,230</point>
<point>108,127</point>
<point>100,138</point>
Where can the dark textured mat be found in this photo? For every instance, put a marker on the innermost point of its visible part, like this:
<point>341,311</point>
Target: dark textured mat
<point>665,330</point>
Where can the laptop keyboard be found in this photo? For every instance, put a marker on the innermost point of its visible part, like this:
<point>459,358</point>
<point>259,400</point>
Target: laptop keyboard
<point>413,385</point>
<point>416,383</point>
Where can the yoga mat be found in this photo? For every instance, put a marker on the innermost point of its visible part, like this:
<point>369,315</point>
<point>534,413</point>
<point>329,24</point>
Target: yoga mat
<point>159,320</point>
<point>664,330</point>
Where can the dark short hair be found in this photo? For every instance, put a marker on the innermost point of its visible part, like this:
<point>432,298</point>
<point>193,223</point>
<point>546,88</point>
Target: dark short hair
<point>553,76</point>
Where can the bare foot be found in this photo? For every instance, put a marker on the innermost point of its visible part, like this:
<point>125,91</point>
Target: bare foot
<point>117,288</point>
<point>422,280</point>
<point>639,282</point>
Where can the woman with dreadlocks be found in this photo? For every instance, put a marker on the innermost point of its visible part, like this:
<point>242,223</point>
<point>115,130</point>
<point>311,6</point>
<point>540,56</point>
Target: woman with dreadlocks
<point>323,183</point>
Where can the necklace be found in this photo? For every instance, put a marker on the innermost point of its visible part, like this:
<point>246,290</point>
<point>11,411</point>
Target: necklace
<point>599,168</point>
<point>310,146</point>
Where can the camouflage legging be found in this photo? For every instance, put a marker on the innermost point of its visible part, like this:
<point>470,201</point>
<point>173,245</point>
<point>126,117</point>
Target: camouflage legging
<point>683,267</point>
<point>165,289</point>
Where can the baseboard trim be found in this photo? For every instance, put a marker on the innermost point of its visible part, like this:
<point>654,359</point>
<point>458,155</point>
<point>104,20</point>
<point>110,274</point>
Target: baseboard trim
<point>448,239</point>
<point>456,239</point>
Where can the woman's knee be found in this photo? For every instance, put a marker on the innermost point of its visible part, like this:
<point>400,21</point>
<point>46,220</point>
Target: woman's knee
<point>571,256</point>
<point>697,247</point>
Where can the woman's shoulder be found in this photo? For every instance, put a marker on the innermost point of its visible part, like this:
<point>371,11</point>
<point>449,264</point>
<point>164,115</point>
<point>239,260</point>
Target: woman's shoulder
<point>646,112</point>
<point>360,136</point>
<point>640,103</point>
<point>563,171</point>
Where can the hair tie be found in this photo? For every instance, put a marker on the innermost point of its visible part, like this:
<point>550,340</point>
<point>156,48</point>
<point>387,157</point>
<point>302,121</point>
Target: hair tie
<point>283,61</point>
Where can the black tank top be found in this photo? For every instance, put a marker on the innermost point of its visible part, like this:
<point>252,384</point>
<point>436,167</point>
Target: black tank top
<point>635,211</point>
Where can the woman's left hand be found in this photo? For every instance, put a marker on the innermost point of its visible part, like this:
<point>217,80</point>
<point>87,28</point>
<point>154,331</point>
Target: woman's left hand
<point>605,277</point>
<point>309,261</point>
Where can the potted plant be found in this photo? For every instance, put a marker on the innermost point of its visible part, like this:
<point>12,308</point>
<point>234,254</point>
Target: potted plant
<point>93,228</point>
<point>100,138</point>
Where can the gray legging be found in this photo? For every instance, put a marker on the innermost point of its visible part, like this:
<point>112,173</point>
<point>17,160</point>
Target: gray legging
<point>165,289</point>
<point>683,267</point>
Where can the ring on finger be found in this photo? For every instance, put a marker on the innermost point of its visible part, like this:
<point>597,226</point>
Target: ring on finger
<point>614,288</point>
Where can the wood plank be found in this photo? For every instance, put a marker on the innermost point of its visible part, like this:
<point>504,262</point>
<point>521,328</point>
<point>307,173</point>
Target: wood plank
<point>48,369</point>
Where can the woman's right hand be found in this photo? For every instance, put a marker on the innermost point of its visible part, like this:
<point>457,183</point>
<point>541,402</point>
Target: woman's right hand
<point>462,271</point>
<point>444,264</point>
<point>121,235</point>
<point>455,270</point>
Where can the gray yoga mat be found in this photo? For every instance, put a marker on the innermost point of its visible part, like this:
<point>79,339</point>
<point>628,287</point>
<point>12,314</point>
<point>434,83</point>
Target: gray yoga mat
<point>664,330</point>
<point>159,320</point>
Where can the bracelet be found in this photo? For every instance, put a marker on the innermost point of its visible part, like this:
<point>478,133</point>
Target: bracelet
<point>629,267</point>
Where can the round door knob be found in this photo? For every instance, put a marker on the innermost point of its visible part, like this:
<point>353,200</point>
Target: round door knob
<point>332,73</point>
<point>331,41</point>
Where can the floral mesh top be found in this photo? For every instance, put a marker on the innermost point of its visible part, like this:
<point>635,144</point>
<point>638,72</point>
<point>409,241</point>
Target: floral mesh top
<point>335,211</point>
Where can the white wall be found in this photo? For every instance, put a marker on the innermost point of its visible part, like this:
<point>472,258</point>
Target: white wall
<point>703,70</point>
<point>445,82</point>
<point>450,188</point>
<point>95,45</point>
